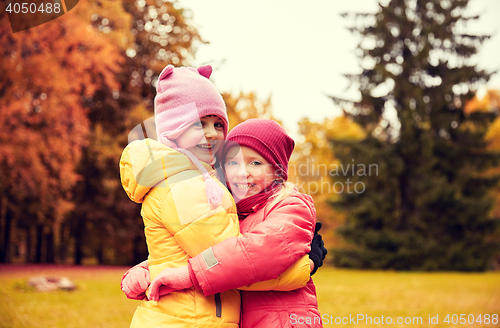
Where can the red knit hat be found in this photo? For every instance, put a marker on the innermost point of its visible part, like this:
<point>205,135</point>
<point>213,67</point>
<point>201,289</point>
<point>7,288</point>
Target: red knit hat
<point>266,137</point>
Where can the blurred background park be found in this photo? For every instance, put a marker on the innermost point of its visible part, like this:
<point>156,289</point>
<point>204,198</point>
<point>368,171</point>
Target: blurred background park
<point>394,107</point>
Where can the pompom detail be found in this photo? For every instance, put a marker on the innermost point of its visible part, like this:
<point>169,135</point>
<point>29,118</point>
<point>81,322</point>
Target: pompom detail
<point>213,191</point>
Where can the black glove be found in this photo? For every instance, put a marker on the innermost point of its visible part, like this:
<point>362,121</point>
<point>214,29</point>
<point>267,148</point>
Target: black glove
<point>318,250</point>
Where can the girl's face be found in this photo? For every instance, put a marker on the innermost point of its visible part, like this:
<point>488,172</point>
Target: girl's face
<point>203,138</point>
<point>247,173</point>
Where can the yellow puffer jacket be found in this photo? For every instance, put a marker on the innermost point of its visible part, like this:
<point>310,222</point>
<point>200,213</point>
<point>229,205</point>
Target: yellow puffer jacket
<point>179,224</point>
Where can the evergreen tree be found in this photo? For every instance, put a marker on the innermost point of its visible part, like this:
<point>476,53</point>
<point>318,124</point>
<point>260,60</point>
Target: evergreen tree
<point>425,203</point>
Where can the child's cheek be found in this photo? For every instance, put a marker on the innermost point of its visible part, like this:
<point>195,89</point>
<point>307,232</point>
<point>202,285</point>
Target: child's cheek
<point>194,138</point>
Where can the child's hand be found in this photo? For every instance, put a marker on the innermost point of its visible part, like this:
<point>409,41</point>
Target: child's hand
<point>318,250</point>
<point>135,281</point>
<point>169,280</point>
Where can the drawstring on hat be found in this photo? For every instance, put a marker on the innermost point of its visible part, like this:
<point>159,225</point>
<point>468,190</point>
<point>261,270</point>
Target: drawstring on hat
<point>212,189</point>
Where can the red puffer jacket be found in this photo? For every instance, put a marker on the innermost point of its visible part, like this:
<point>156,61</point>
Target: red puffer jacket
<point>273,239</point>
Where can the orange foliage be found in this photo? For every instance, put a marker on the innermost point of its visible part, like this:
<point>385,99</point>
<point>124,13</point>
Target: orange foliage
<point>489,102</point>
<point>44,73</point>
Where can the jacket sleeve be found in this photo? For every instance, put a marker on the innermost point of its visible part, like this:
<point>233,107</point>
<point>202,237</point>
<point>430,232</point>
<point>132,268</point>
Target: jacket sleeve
<point>295,277</point>
<point>262,253</point>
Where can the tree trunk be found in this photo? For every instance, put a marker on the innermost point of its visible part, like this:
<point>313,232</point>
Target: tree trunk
<point>99,253</point>
<point>6,232</point>
<point>29,247</point>
<point>39,242</point>
<point>2,229</point>
<point>63,244</point>
<point>80,225</point>
<point>137,249</point>
<point>49,247</point>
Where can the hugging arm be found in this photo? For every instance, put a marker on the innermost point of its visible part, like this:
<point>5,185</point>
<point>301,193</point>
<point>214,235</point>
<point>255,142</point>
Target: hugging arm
<point>298,274</point>
<point>136,280</point>
<point>263,253</point>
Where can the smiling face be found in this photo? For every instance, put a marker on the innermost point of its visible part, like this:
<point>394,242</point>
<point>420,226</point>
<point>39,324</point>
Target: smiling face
<point>203,138</point>
<point>247,172</point>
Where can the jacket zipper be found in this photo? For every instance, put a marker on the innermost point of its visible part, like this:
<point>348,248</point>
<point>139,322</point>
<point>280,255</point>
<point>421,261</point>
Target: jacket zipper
<point>218,306</point>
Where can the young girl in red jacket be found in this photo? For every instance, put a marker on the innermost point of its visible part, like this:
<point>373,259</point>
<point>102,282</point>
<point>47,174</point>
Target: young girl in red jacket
<point>277,223</point>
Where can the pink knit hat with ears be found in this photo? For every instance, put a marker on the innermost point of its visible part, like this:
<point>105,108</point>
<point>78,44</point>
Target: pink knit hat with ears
<point>183,96</point>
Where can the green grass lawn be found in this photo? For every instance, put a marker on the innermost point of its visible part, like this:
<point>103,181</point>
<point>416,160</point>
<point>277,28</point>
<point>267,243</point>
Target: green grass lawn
<point>407,294</point>
<point>99,302</point>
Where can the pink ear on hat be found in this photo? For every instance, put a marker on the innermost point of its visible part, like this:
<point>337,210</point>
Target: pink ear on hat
<point>166,72</point>
<point>205,70</point>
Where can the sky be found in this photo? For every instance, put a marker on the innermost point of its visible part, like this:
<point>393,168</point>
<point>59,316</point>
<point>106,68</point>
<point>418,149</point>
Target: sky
<point>298,53</point>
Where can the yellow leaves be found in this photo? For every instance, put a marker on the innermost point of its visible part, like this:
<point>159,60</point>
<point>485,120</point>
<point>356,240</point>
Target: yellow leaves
<point>344,128</point>
<point>424,125</point>
<point>490,101</point>
<point>138,114</point>
<point>245,106</point>
<point>104,147</point>
<point>316,137</point>
<point>493,136</point>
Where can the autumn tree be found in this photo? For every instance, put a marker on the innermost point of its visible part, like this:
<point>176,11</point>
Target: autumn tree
<point>44,75</point>
<point>428,205</point>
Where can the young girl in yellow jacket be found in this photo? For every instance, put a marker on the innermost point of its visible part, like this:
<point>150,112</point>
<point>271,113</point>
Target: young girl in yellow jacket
<point>185,209</point>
